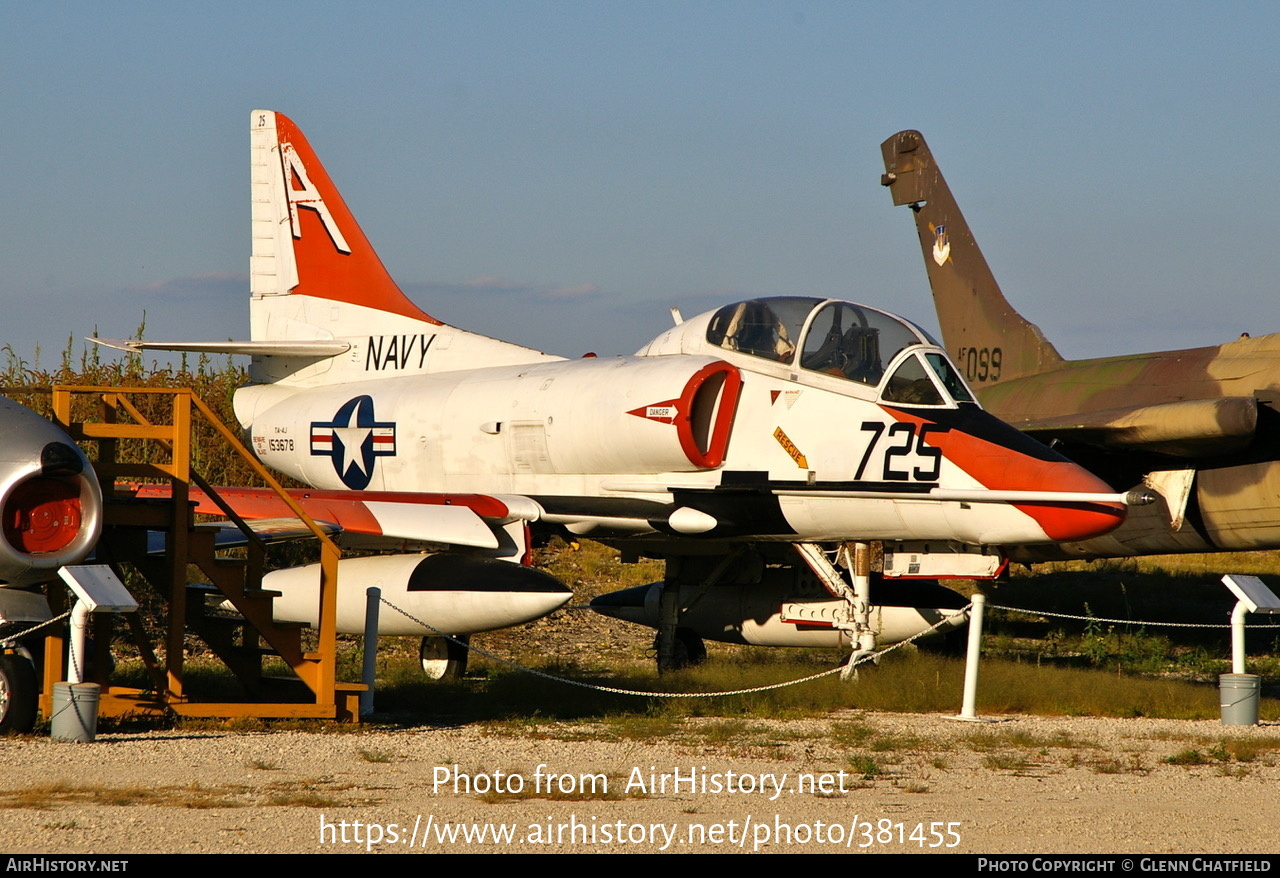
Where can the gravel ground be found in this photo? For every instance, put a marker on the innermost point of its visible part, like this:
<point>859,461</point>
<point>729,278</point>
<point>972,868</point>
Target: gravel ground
<point>1026,785</point>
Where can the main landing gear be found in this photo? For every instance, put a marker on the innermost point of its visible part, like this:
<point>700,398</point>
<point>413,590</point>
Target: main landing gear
<point>443,659</point>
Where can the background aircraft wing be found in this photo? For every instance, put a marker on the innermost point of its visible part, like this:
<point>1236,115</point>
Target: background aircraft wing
<point>1185,428</point>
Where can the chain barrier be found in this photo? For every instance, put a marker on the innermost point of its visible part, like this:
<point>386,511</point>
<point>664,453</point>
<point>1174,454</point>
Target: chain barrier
<point>875,656</point>
<point>14,638</point>
<point>1121,621</point>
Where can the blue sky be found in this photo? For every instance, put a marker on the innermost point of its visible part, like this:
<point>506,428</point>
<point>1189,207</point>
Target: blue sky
<point>559,174</point>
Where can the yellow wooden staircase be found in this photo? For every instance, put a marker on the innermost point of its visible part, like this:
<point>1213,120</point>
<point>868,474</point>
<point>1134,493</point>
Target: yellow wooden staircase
<point>113,419</point>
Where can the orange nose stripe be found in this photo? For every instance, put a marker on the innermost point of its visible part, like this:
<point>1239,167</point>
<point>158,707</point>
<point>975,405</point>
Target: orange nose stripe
<point>1000,467</point>
<point>1062,523</point>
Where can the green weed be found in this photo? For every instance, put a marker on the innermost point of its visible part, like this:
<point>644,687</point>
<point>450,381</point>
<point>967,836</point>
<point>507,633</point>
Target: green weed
<point>865,766</point>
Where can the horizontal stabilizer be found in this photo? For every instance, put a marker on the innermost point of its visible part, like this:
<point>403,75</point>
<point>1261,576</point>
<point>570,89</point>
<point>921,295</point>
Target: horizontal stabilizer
<point>274,348</point>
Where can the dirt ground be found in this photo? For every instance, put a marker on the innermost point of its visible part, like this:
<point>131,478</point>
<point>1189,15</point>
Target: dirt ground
<point>854,781</point>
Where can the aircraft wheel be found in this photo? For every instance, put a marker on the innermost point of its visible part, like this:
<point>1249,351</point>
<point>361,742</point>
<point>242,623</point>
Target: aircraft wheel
<point>442,659</point>
<point>690,649</point>
<point>18,695</point>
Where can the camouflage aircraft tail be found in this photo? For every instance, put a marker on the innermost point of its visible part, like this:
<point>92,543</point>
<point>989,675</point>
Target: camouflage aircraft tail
<point>989,340</point>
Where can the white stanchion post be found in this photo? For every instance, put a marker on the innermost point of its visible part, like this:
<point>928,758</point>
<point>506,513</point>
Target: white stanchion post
<point>1237,637</point>
<point>969,709</point>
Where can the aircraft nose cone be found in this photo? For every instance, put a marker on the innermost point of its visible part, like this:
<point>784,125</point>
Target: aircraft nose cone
<point>1067,522</point>
<point>627,604</point>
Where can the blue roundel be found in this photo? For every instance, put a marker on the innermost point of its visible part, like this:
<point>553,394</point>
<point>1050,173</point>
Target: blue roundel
<point>354,440</point>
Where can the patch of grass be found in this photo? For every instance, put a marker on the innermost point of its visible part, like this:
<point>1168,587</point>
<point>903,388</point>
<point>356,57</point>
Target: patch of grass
<point>1006,761</point>
<point>590,568</point>
<point>252,724</point>
<point>865,766</point>
<point>1044,668</point>
<point>1183,588</point>
<point>1133,764</point>
<point>1013,737</point>
<point>377,756</point>
<point>197,796</point>
<point>894,743</point>
<point>302,799</point>
<point>1187,757</point>
<point>1246,750</point>
<point>729,731</point>
<point>1242,749</point>
<point>903,681</point>
<point>49,795</point>
<point>848,735</point>
<point>641,728</point>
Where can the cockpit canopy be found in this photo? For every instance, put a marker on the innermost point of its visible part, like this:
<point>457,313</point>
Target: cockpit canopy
<point>834,338</point>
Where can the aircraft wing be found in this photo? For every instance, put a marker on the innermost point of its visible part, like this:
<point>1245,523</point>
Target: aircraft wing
<point>268,530</point>
<point>1185,428</point>
<point>450,519</point>
<point>479,520</point>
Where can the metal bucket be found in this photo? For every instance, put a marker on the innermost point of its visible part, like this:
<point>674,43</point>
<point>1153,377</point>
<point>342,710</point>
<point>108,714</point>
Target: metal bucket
<point>1239,695</point>
<point>75,712</point>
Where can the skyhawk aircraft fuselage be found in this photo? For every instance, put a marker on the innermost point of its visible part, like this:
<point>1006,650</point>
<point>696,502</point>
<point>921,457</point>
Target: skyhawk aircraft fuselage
<point>740,432</point>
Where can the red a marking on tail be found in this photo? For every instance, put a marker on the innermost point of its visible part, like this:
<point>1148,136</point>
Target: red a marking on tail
<point>334,258</point>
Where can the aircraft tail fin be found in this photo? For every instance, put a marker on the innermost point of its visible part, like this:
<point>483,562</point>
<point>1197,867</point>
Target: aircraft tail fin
<point>989,340</point>
<point>305,240</point>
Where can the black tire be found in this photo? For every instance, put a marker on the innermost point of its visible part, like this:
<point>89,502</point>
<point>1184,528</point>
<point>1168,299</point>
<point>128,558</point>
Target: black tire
<point>690,650</point>
<point>19,693</point>
<point>442,659</point>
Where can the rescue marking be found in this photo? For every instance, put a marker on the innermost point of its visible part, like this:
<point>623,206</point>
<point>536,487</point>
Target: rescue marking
<point>790,448</point>
<point>354,440</point>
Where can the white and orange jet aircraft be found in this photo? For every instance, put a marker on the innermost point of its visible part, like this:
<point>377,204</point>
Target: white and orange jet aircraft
<point>743,446</point>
